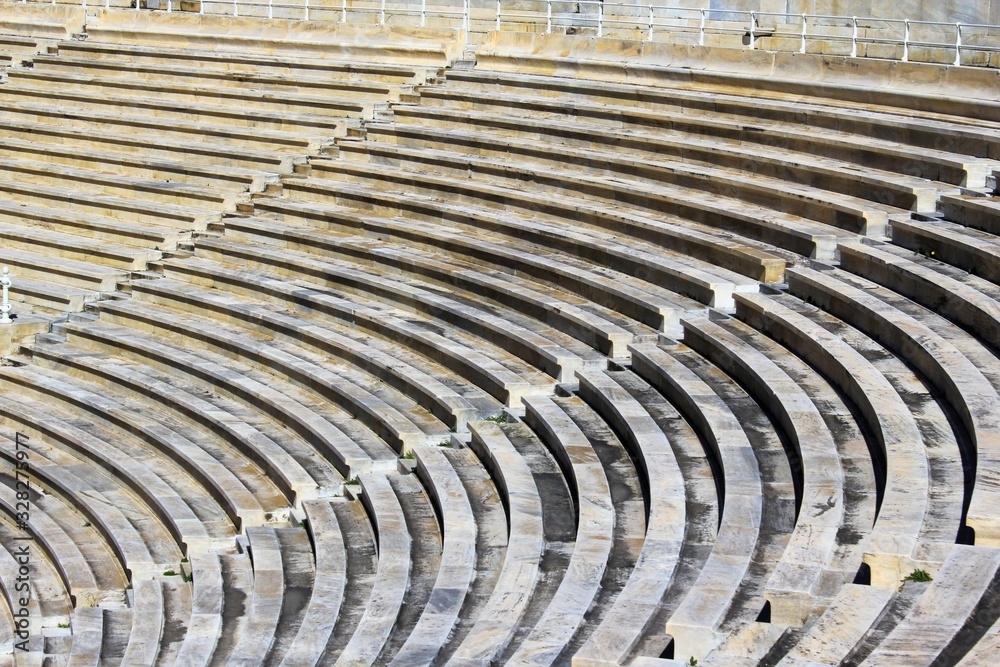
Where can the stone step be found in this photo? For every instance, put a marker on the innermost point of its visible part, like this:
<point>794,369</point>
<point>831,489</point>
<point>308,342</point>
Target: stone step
<point>534,343</point>
<point>491,540</point>
<point>499,245</point>
<point>78,248</point>
<point>457,571</point>
<point>665,497</point>
<point>204,628</point>
<point>966,248</point>
<point>102,121</point>
<point>977,212</point>
<point>963,385</point>
<point>263,608</point>
<point>967,135</point>
<point>464,279</point>
<point>329,432</point>
<point>167,110</point>
<point>425,528</point>
<point>147,622</point>
<point>174,75</point>
<point>968,301</point>
<point>800,584</point>
<point>521,569</point>
<point>245,499</point>
<point>129,141</point>
<point>748,225</point>
<point>912,529</point>
<point>169,494</point>
<point>595,527</point>
<point>237,588</point>
<point>36,267</point>
<point>204,93</point>
<point>361,565</point>
<point>246,62</point>
<point>710,285</point>
<point>278,465</point>
<point>801,153</point>
<point>328,585</point>
<point>105,506</point>
<point>297,562</point>
<point>393,575</point>
<point>496,372</point>
<point>745,182</point>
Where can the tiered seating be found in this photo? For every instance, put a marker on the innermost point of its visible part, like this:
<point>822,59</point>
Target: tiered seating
<point>479,366</point>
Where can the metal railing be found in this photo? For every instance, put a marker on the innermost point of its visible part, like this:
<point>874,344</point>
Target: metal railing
<point>859,36</point>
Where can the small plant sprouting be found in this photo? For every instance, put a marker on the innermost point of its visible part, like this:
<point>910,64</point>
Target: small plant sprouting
<point>184,560</point>
<point>86,524</point>
<point>188,578</point>
<point>169,573</point>
<point>302,524</point>
<point>918,575</point>
<point>64,625</point>
<point>408,456</point>
<point>693,662</point>
<point>353,479</point>
<point>498,419</point>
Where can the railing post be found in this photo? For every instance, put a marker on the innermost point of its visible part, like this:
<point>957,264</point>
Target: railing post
<point>307,11</point>
<point>498,15</point>
<point>802,48</point>
<point>600,18</point>
<point>270,8</point>
<point>753,25</point>
<point>701,30</point>
<point>650,35</point>
<point>169,8</point>
<point>467,16</point>
<point>107,4</point>
<point>958,44</point>
<point>423,13</point>
<point>343,11</point>
<point>548,17</point>
<point>236,7</point>
<point>381,13</point>
<point>854,37</point>
<point>5,300</point>
<point>906,40</point>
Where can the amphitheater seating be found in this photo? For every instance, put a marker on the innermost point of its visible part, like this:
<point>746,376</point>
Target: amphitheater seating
<point>361,352</point>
